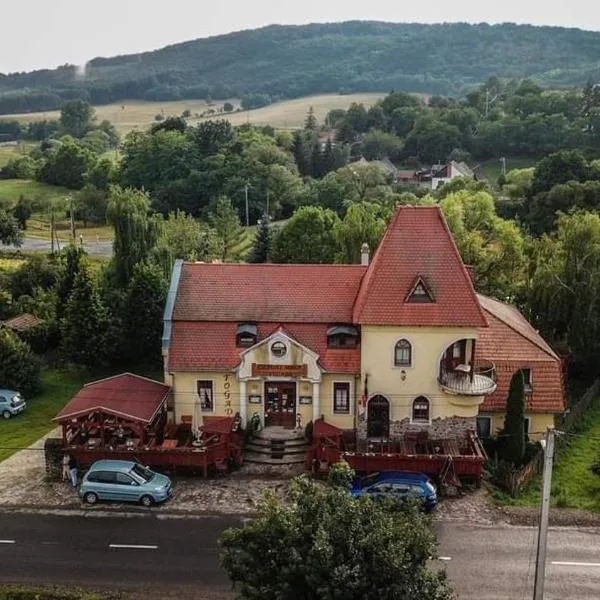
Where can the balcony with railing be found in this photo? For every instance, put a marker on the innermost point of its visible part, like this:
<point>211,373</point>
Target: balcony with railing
<point>466,380</point>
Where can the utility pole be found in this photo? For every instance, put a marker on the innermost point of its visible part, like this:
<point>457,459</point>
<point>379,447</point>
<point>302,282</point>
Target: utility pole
<point>52,230</point>
<point>72,220</point>
<point>540,564</point>
<point>503,161</point>
<point>247,212</point>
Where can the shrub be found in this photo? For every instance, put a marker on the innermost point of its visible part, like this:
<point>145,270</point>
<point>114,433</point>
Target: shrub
<point>19,367</point>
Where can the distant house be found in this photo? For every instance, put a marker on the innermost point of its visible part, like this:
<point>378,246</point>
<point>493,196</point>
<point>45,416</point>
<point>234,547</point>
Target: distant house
<point>405,176</point>
<point>442,174</point>
<point>385,164</point>
<point>325,137</point>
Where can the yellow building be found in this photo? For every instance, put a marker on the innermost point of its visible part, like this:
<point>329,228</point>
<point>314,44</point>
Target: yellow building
<point>383,348</point>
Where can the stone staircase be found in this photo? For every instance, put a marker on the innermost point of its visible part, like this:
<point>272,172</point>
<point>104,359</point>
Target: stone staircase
<point>276,446</point>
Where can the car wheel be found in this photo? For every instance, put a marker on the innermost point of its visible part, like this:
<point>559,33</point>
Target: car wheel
<point>146,500</point>
<point>90,498</point>
<point>6,414</point>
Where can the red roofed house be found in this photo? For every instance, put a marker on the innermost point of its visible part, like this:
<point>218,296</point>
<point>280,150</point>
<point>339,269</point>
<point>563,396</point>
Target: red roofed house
<point>401,344</point>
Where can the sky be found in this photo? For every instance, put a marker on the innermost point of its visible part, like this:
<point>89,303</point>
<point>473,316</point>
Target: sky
<point>44,34</point>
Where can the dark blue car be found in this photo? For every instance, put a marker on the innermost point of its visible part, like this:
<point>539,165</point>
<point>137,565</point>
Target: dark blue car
<point>401,485</point>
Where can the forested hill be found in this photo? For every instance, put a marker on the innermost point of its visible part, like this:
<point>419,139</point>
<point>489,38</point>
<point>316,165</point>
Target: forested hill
<point>290,61</point>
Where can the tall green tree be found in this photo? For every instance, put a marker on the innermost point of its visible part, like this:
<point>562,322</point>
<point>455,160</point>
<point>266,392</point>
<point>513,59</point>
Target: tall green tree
<point>72,258</point>
<point>262,242</point>
<point>307,237</point>
<point>77,118</point>
<point>514,421</point>
<point>230,233</point>
<point>310,123</point>
<point>85,323</point>
<point>136,230</point>
<point>10,234</point>
<point>143,313</point>
<point>327,544</point>
<point>19,368</point>
<point>362,224</point>
<point>68,165</point>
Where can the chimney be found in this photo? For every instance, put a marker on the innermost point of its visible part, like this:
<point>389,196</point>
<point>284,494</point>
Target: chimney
<point>364,255</point>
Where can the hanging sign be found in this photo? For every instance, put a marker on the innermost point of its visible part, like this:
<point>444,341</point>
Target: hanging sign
<point>259,370</point>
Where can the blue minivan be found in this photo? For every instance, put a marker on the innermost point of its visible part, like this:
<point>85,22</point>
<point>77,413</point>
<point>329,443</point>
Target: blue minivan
<point>124,481</point>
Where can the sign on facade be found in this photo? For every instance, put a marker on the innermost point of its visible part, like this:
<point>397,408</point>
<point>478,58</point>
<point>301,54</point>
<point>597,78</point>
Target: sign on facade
<point>259,370</point>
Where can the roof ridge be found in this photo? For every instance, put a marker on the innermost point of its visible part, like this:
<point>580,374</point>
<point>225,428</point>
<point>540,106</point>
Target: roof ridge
<point>271,265</point>
<point>542,346</point>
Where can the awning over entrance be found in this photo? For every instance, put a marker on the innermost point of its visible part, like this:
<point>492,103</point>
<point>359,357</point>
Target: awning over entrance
<point>128,396</point>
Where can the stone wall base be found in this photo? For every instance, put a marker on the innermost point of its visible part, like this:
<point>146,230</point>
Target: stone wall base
<point>449,428</point>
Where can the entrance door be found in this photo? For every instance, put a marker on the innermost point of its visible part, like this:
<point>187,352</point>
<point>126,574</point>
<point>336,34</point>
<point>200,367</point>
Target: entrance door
<point>280,403</point>
<point>378,417</point>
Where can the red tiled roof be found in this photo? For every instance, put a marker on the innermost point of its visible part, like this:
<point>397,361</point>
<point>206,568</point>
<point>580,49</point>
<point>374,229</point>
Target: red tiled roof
<point>511,343</point>
<point>22,322</point>
<point>418,243</point>
<point>267,293</point>
<point>127,395</point>
<point>211,345</point>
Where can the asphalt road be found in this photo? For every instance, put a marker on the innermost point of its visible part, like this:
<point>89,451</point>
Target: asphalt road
<point>177,557</point>
<point>103,248</point>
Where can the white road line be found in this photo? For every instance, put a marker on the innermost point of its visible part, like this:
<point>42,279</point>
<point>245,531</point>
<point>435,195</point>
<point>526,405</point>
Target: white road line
<point>133,546</point>
<point>444,558</point>
<point>7,541</point>
<point>575,564</point>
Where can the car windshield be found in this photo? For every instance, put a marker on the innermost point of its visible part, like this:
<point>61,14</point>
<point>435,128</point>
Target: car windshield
<point>142,472</point>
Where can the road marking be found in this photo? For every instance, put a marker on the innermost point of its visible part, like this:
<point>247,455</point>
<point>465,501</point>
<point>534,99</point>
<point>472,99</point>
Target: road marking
<point>133,546</point>
<point>444,558</point>
<point>7,541</point>
<point>575,564</point>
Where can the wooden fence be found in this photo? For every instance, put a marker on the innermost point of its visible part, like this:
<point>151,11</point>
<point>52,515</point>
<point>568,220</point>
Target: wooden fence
<point>514,481</point>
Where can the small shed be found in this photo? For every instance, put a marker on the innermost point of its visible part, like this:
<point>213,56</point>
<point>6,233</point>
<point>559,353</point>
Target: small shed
<point>22,323</point>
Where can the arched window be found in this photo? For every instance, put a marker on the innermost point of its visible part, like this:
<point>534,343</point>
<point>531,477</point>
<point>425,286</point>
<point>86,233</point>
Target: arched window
<point>420,410</point>
<point>403,354</point>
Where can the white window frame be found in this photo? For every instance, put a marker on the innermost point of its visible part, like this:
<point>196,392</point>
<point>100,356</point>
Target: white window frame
<point>491,420</point>
<point>350,403</point>
<point>214,402</point>
<point>412,411</point>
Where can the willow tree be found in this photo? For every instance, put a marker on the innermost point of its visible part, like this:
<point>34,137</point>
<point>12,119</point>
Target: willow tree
<point>136,230</point>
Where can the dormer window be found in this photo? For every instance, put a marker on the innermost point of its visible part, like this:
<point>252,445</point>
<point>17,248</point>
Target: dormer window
<point>420,292</point>
<point>342,336</point>
<point>246,335</point>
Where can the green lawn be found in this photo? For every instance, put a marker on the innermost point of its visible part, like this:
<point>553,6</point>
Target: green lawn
<point>11,189</point>
<point>574,485</point>
<point>493,167</point>
<point>23,430</point>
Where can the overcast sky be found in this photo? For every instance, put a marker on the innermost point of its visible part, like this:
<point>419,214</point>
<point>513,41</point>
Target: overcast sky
<point>42,33</point>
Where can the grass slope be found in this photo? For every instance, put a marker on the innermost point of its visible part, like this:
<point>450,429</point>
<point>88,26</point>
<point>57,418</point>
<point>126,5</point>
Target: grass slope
<point>137,114</point>
<point>574,485</point>
<point>11,189</point>
<point>9,152</point>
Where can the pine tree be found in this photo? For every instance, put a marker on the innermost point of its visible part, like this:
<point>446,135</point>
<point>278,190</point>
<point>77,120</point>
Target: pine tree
<point>227,226</point>
<point>316,159</point>
<point>85,322</point>
<point>143,313</point>
<point>299,151</point>
<point>328,158</point>
<point>72,257</point>
<point>514,422</point>
<point>310,124</point>
<point>262,242</point>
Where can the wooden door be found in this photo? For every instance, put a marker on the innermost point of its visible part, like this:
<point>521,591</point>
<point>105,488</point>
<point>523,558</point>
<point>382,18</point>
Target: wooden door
<point>280,404</point>
<point>378,417</point>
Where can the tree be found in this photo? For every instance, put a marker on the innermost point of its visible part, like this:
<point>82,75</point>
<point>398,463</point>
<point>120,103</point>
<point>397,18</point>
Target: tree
<point>136,230</point>
<point>362,224</point>
<point>327,544</point>
<point>188,238</point>
<point>226,223</point>
<point>111,131</point>
<point>68,165</point>
<point>19,368</point>
<point>514,422</point>
<point>307,237</point>
<point>76,118</point>
<point>378,144</point>
<point>72,258</point>
<point>85,323</point>
<point>22,211</point>
<point>228,107</point>
<point>262,242</point>
<point>310,123</point>
<point>38,272</point>
<point>143,314</point>
<point>102,175</point>
<point>91,205</point>
<point>560,167</point>
<point>493,246</point>
<point>10,234</point>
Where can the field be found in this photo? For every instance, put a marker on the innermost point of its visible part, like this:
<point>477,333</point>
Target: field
<point>8,152</point>
<point>493,167</point>
<point>137,114</point>
<point>11,189</point>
